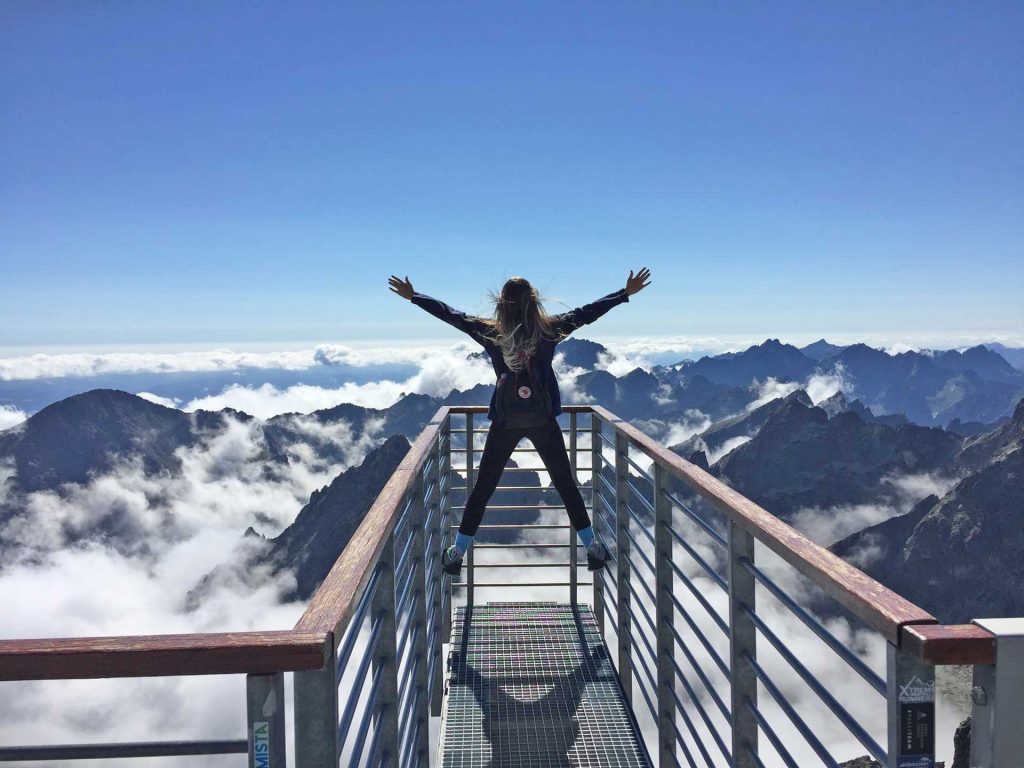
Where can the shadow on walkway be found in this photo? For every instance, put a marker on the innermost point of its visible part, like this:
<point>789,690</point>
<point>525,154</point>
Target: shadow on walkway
<point>529,695</point>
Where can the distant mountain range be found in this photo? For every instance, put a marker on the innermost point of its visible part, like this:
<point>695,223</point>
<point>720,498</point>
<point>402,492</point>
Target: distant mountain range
<point>930,388</point>
<point>946,413</point>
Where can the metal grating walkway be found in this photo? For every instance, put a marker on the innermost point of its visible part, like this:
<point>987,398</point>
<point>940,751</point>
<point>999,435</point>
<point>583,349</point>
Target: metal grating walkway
<point>531,685</point>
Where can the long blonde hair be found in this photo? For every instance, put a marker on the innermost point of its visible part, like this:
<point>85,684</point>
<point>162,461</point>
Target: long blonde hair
<point>519,321</point>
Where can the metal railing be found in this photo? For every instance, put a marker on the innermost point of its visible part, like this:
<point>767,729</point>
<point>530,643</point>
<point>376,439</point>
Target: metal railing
<point>688,543</point>
<point>685,608</point>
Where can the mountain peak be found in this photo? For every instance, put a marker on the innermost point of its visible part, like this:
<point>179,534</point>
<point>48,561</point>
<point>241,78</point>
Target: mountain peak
<point>801,396</point>
<point>821,349</point>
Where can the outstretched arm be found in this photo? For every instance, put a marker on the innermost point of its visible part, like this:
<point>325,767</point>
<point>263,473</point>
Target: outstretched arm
<point>588,313</point>
<point>437,308</point>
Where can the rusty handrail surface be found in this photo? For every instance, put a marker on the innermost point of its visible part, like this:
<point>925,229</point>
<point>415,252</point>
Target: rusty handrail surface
<point>331,608</point>
<point>210,653</point>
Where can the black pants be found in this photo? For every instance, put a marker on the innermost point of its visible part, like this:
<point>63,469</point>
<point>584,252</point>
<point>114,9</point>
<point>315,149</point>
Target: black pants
<point>550,445</point>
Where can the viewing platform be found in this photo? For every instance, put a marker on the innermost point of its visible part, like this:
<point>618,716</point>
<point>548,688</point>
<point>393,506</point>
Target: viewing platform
<point>718,636</point>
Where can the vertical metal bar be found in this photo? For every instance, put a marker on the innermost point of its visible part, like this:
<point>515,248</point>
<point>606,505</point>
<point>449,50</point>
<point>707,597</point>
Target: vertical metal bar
<point>572,533</point>
<point>625,666</point>
<point>742,640</point>
<point>446,535</point>
<point>983,710</point>
<point>417,653</point>
<point>997,738</point>
<point>470,482</point>
<point>316,715</point>
<point>910,699</point>
<point>436,576</point>
<point>384,655</point>
<point>265,712</point>
<point>595,465</point>
<point>664,616</point>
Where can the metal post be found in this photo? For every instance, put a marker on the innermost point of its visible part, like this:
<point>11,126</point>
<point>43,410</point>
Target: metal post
<point>436,576</point>
<point>910,698</point>
<point>386,705</point>
<point>316,715</point>
<point>625,666</point>
<point>266,716</point>
<point>742,641</point>
<point>446,534</point>
<point>664,615</point>
<point>572,533</point>
<point>417,653</point>
<point>997,735</point>
<point>470,482</point>
<point>595,467</point>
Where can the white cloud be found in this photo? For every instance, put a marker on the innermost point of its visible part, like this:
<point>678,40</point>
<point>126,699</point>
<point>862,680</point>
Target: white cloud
<point>566,376</point>
<point>631,352</point>
<point>438,375</point>
<point>177,529</point>
<point>684,346</point>
<point>267,400</point>
<point>620,362</point>
<point>819,386</point>
<point>727,447</point>
<point>693,422</point>
<point>45,365</point>
<point>11,417</point>
<point>89,591</point>
<point>899,493</point>
<point>771,389</point>
<point>867,552</point>
<point>827,526</point>
<point>7,474</point>
<point>224,483</point>
<point>913,488</point>
<point>664,394</point>
<point>167,402</point>
<point>822,386</point>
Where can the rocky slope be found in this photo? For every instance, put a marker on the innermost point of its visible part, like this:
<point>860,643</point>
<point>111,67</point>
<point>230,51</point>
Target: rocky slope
<point>959,557</point>
<point>802,458</point>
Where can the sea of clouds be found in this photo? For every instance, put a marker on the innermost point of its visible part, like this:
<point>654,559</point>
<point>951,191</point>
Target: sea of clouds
<point>60,581</point>
<point>171,531</point>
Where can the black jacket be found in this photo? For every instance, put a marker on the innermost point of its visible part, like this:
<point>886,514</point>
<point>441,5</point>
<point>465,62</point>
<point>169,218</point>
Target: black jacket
<point>565,323</point>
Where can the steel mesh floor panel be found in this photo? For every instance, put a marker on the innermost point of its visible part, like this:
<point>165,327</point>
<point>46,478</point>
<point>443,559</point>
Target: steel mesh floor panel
<point>531,685</point>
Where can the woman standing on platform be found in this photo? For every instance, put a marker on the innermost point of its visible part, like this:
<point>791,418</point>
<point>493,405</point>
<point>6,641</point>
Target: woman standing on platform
<point>520,339</point>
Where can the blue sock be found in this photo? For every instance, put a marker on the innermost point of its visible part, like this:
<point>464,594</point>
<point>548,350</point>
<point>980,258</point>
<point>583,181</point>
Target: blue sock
<point>586,536</point>
<point>462,542</point>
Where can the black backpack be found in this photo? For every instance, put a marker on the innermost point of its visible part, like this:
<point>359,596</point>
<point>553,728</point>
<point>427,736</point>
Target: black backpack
<point>521,399</point>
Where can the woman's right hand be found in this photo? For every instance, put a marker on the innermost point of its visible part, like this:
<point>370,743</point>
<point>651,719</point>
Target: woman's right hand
<point>402,287</point>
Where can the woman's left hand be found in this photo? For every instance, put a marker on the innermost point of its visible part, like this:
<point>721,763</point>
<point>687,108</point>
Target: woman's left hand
<point>634,284</point>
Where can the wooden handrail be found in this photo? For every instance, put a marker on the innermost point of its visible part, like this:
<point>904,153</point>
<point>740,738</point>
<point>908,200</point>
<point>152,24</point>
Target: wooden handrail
<point>950,643</point>
<point>210,653</point>
<point>877,605</point>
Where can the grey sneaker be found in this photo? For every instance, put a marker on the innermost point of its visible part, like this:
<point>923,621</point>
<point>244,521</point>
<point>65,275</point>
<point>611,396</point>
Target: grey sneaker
<point>450,562</point>
<point>597,556</point>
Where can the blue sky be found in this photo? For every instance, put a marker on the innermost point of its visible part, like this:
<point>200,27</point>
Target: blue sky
<point>188,173</point>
